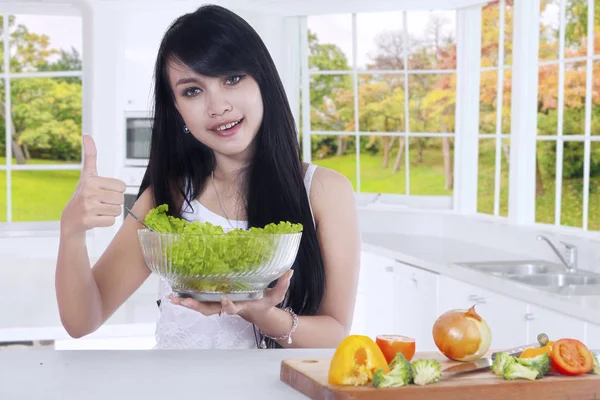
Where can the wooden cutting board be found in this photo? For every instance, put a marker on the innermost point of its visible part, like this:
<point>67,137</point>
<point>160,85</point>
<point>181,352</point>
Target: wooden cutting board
<point>310,378</point>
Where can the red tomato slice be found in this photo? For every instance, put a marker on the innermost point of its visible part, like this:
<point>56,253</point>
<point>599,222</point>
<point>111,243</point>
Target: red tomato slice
<point>571,357</point>
<point>390,345</point>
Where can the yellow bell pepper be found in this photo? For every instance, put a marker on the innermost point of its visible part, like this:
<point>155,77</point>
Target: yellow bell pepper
<point>536,351</point>
<point>355,361</point>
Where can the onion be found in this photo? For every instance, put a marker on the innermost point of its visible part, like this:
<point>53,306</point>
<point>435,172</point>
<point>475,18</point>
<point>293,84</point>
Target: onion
<point>462,335</point>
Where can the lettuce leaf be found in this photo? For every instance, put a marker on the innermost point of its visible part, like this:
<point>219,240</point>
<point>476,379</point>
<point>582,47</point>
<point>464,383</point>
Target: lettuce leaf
<point>208,250</point>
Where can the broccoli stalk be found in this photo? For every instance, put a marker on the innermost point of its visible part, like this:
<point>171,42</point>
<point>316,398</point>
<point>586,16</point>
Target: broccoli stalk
<point>426,371</point>
<point>400,374</point>
<point>501,361</point>
<point>540,363</point>
<point>516,370</point>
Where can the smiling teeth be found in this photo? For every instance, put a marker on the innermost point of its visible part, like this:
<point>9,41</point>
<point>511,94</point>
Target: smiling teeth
<point>228,126</point>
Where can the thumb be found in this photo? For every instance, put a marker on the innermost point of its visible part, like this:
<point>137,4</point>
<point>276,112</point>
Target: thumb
<point>281,288</point>
<point>89,156</point>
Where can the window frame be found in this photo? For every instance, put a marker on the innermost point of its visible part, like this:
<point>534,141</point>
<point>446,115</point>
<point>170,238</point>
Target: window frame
<point>7,76</point>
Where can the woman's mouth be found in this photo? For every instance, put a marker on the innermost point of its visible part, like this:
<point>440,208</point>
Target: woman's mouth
<point>229,129</point>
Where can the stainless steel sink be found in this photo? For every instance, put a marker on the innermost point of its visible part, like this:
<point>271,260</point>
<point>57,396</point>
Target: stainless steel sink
<point>557,279</point>
<point>510,268</point>
<point>543,275</point>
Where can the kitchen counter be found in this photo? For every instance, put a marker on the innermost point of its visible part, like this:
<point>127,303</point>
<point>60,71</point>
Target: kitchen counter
<point>440,255</point>
<point>147,374</point>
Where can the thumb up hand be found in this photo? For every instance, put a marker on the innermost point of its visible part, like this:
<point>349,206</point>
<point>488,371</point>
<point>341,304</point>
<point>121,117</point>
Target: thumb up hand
<point>96,201</point>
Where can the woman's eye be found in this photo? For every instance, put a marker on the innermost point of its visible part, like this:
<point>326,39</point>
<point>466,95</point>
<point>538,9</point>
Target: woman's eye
<point>232,80</point>
<point>191,92</point>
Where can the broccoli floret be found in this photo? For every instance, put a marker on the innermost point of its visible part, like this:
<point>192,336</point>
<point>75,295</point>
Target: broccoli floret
<point>426,371</point>
<point>596,369</point>
<point>541,363</point>
<point>515,370</point>
<point>501,361</point>
<point>400,374</point>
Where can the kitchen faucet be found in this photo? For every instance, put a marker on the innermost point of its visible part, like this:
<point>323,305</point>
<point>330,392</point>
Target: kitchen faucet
<point>571,252</point>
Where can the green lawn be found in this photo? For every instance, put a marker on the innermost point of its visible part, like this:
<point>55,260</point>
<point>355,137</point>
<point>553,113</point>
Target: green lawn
<point>37,195</point>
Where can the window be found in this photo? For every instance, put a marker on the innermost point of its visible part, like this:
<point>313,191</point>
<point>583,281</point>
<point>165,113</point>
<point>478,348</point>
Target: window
<point>40,115</point>
<point>568,119</point>
<point>494,108</point>
<point>381,100</point>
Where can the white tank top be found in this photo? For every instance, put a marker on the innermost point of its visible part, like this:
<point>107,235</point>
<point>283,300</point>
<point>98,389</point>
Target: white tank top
<point>181,328</point>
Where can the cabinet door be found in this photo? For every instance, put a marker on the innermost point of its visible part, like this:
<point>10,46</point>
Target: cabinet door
<point>505,316</point>
<point>553,324</point>
<point>416,305</point>
<point>379,285</point>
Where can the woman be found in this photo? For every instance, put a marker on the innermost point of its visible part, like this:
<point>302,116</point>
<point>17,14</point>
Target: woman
<point>224,149</point>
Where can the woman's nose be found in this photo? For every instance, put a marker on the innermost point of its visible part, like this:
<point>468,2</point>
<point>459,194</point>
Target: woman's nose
<point>218,105</point>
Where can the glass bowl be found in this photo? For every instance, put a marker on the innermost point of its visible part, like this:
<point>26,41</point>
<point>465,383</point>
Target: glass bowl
<point>208,266</point>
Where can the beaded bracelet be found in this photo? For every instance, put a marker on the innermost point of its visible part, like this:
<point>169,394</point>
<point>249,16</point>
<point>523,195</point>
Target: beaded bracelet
<point>288,335</point>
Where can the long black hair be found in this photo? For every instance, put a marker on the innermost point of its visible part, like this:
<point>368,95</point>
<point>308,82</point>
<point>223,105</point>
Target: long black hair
<point>214,41</point>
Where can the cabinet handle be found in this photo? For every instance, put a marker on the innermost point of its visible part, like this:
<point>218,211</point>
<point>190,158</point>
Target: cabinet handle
<point>389,268</point>
<point>529,317</point>
<point>480,300</point>
<point>473,297</point>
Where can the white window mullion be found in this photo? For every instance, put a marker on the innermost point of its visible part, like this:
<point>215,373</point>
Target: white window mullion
<point>306,140</point>
<point>8,119</point>
<point>499,96</point>
<point>588,114</point>
<point>406,103</point>
<point>355,88</point>
<point>560,110</point>
<point>526,14</point>
<point>468,62</point>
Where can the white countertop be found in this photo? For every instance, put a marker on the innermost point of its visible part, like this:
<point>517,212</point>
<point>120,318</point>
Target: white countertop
<point>147,374</point>
<point>439,255</point>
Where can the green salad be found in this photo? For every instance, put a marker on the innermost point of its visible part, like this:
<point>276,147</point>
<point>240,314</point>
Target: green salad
<point>209,250</point>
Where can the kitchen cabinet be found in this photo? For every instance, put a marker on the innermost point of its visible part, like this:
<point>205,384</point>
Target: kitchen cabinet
<point>378,287</point>
<point>555,325</point>
<point>505,316</point>
<point>416,305</point>
<point>592,336</point>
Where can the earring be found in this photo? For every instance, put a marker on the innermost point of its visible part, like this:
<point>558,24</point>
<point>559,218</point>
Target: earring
<point>186,129</point>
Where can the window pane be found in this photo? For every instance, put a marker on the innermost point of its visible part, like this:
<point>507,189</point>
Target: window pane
<point>381,103</point>
<point>330,42</point>
<point>332,103</point>
<point>595,129</point>
<point>545,181</point>
<point>45,43</point>
<point>547,100</point>
<point>380,40</point>
<point>432,100</point>
<point>2,124</point>
<point>575,28</point>
<point>487,101</point>
<point>574,98</point>
<point>46,115</point>
<point>337,153</point>
<point>506,100</point>
<point>594,193</point>
<point>41,195</point>
<point>596,27</point>
<point>549,24</point>
<point>432,39</point>
<point>2,196</point>
<point>504,176</point>
<point>431,166</point>
<point>490,34</point>
<point>571,210</point>
<point>486,171</point>
<point>382,164</point>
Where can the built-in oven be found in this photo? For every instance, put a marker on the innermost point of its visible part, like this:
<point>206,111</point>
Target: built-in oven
<point>138,133</point>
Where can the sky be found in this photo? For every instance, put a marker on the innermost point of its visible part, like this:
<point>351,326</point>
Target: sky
<point>66,32</point>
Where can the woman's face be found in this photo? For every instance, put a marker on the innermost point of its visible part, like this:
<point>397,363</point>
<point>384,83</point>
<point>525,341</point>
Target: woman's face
<point>223,113</point>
